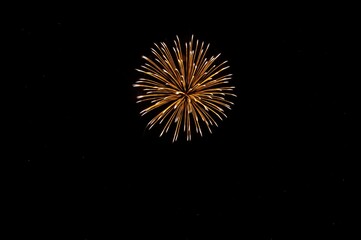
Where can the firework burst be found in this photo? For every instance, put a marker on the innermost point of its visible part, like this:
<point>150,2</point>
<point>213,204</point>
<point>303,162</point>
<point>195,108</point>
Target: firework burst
<point>184,88</point>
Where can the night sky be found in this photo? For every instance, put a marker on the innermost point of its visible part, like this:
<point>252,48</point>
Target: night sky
<point>279,167</point>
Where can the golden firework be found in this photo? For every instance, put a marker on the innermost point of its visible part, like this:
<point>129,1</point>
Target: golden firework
<point>186,88</point>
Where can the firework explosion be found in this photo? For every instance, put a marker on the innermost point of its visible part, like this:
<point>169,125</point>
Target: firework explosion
<point>184,89</point>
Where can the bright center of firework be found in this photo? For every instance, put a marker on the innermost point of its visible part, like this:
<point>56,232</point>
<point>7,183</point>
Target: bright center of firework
<point>184,88</point>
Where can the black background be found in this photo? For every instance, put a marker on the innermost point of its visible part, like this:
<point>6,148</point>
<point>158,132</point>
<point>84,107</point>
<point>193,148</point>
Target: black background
<point>279,167</point>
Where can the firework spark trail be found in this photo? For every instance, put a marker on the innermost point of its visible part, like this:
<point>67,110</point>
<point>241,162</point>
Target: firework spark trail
<point>186,87</point>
